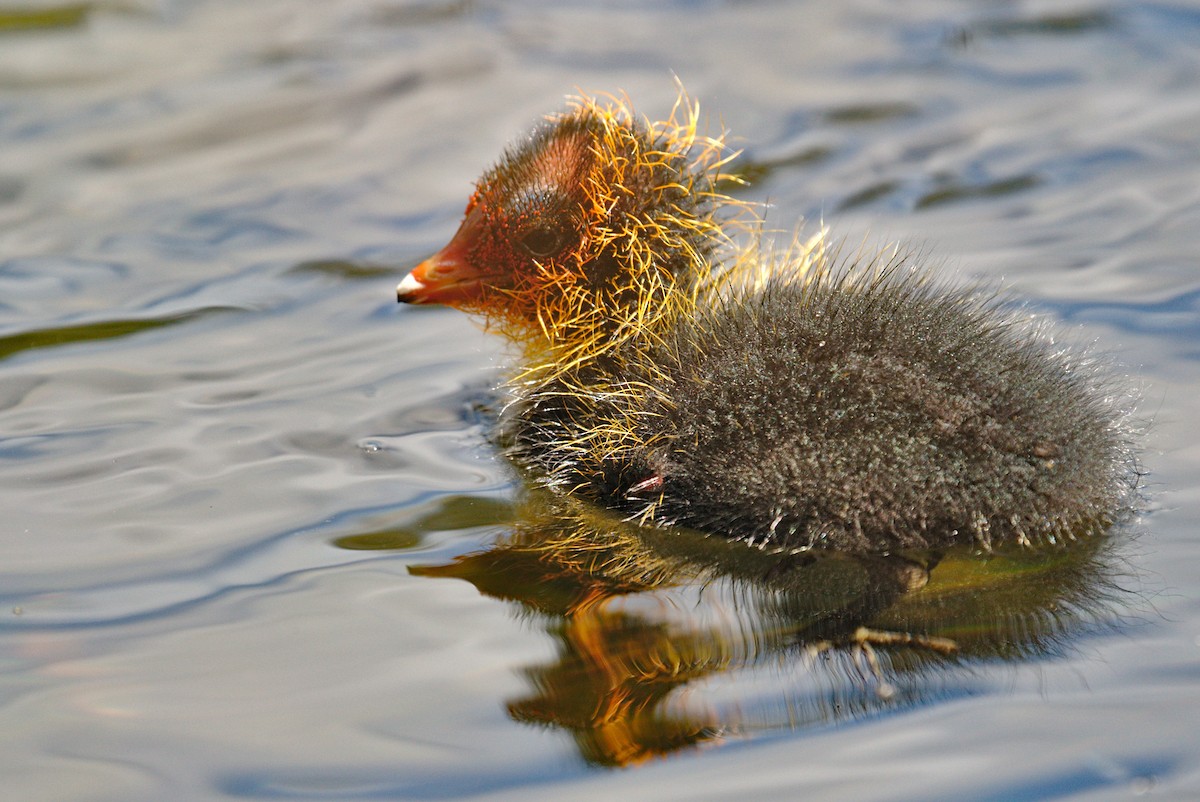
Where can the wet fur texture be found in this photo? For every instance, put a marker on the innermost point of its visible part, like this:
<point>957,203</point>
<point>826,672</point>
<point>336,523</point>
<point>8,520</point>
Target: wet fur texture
<point>863,409</point>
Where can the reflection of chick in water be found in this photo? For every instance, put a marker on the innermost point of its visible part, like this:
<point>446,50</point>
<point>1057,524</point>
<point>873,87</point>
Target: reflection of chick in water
<point>640,614</point>
<point>785,401</point>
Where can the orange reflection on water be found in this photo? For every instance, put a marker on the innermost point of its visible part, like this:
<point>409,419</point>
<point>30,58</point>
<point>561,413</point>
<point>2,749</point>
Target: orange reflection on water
<point>639,615</point>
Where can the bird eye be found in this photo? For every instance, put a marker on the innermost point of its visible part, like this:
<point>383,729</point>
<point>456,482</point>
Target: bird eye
<point>542,241</point>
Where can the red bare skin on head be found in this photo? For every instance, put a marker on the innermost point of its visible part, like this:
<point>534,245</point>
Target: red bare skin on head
<point>509,230</point>
<point>562,162</point>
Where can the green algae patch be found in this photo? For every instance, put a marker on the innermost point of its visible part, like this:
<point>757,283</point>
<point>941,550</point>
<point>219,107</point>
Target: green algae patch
<point>25,18</point>
<point>89,332</point>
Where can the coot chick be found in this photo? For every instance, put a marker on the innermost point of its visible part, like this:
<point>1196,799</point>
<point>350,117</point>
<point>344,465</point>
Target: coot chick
<point>794,401</point>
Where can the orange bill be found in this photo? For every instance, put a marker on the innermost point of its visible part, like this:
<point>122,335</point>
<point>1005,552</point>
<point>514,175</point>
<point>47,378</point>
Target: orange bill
<point>449,276</point>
